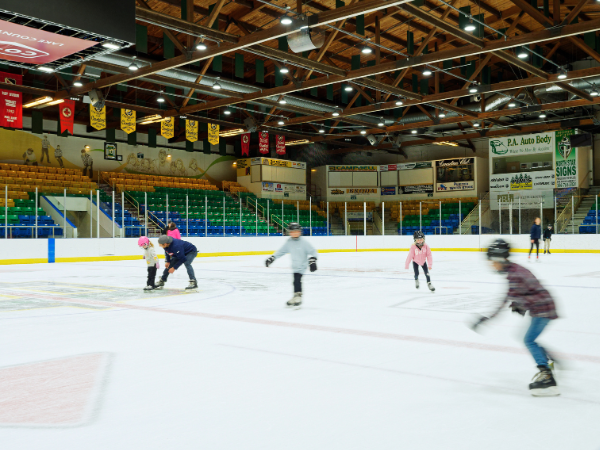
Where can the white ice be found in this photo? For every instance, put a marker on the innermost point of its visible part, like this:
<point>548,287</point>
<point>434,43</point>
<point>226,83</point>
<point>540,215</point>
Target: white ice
<point>369,362</point>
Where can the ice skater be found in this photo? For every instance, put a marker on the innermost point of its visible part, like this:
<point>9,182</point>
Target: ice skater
<point>151,261</point>
<point>525,293</point>
<point>177,253</point>
<point>420,255</point>
<point>172,230</point>
<point>303,255</point>
<point>547,239</point>
<point>535,234</point>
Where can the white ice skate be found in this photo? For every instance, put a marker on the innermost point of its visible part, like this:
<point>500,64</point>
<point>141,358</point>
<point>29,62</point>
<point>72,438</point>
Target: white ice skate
<point>192,286</point>
<point>160,284</point>
<point>417,284</point>
<point>295,301</point>
<point>149,288</point>
<point>430,286</point>
<point>544,384</point>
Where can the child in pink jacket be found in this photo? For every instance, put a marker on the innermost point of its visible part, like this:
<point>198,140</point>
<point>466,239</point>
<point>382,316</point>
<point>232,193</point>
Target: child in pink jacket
<point>418,254</point>
<point>173,231</point>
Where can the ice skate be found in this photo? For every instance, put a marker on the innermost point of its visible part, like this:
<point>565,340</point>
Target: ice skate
<point>193,285</point>
<point>417,284</point>
<point>549,252</point>
<point>544,252</point>
<point>543,384</point>
<point>160,284</point>
<point>430,286</point>
<point>295,301</point>
<point>149,288</point>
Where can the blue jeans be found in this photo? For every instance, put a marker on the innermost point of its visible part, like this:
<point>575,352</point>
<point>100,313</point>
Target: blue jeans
<point>187,263</point>
<point>535,329</point>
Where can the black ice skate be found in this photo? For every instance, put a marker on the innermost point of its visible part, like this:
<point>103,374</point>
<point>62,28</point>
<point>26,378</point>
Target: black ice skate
<point>193,285</point>
<point>543,384</point>
<point>160,284</point>
<point>430,286</point>
<point>417,284</point>
<point>296,300</point>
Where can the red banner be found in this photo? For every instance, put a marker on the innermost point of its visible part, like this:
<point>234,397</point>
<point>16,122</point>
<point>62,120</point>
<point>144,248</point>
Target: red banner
<point>67,116</point>
<point>11,102</point>
<point>280,144</point>
<point>30,45</point>
<point>263,142</point>
<point>246,144</point>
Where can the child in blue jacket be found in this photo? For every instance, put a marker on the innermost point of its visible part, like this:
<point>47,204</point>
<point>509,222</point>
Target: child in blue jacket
<point>178,252</point>
<point>535,234</point>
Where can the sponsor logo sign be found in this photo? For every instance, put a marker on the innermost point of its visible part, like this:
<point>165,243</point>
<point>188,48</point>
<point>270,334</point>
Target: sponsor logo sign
<point>566,160</point>
<point>359,215</point>
<point>298,165</point>
<point>454,162</point>
<point>361,191</point>
<point>529,198</point>
<point>268,187</point>
<point>353,168</point>
<point>522,145</point>
<point>416,189</point>
<point>522,181</point>
<point>337,192</point>
<point>388,190</point>
<point>255,161</point>
<point>278,187</point>
<point>455,186</point>
<point>415,165</point>
<point>29,45</point>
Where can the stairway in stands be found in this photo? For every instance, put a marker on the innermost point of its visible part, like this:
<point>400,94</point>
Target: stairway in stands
<point>588,202</point>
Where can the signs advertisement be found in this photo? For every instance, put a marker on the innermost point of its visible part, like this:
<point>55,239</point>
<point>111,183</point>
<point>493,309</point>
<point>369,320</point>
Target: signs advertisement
<point>454,162</point>
<point>98,117</point>
<point>529,199</point>
<point>263,142</point>
<point>566,160</point>
<point>415,165</point>
<point>167,128</point>
<point>213,133</point>
<point>278,163</point>
<point>361,191</point>
<point>529,144</point>
<point>267,187</point>
<point>352,168</point>
<point>388,168</point>
<point>280,144</point>
<point>278,187</point>
<point>416,189</point>
<point>245,144</point>
<point>110,150</point>
<point>283,188</point>
<point>337,191</point>
<point>67,116</point>
<point>191,130</point>
<point>128,120</point>
<point>455,186</point>
<point>388,190</point>
<point>11,102</point>
<point>29,45</point>
<point>359,215</point>
<point>522,181</point>
<point>256,161</point>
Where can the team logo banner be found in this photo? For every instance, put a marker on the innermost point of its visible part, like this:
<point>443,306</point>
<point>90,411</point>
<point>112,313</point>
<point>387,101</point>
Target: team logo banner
<point>263,142</point>
<point>67,116</point>
<point>213,133</point>
<point>128,118</point>
<point>245,144</point>
<point>167,128</point>
<point>566,160</point>
<point>11,102</point>
<point>280,145</point>
<point>191,130</point>
<point>98,117</point>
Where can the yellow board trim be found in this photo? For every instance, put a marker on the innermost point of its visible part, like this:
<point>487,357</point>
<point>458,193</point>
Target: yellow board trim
<point>99,258</point>
<point>5,262</point>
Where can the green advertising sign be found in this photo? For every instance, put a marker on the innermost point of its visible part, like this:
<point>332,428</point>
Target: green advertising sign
<point>566,160</point>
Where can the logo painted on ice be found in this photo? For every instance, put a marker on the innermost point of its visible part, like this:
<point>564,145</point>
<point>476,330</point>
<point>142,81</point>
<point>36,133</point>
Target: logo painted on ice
<point>21,50</point>
<point>564,147</point>
<point>498,147</point>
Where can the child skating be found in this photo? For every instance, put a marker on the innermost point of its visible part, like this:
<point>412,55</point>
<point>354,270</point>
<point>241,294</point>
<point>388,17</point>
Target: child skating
<point>178,253</point>
<point>535,234</point>
<point>525,293</point>
<point>547,239</point>
<point>303,255</point>
<point>420,255</point>
<point>151,261</point>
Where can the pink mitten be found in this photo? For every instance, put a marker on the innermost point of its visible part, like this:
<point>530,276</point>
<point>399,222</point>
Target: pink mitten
<point>157,265</point>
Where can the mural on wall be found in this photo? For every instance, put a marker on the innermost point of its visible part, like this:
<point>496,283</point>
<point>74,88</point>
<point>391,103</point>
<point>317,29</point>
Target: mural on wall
<point>87,154</point>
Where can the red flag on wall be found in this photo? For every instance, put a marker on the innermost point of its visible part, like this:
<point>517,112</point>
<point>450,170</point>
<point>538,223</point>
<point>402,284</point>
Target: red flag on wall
<point>11,102</point>
<point>280,146</point>
<point>263,142</point>
<point>67,115</point>
<point>246,144</point>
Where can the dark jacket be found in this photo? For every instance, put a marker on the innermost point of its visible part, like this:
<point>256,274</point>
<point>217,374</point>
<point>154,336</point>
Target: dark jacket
<point>548,233</point>
<point>525,290</point>
<point>177,252</point>
<point>536,232</point>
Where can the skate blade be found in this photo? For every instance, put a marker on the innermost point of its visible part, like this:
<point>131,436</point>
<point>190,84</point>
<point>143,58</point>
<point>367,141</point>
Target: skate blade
<point>552,391</point>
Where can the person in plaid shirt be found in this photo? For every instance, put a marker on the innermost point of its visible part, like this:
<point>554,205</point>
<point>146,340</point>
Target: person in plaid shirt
<point>525,293</point>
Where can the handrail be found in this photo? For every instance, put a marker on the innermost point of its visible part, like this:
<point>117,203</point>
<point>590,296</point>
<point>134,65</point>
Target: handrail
<point>136,204</point>
<point>467,230</point>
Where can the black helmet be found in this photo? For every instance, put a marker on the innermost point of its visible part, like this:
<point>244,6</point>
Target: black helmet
<point>418,235</point>
<point>498,250</point>
<point>294,226</point>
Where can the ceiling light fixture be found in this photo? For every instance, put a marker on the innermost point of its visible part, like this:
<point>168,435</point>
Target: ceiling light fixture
<point>281,122</point>
<point>216,86</point>
<point>201,46</point>
<point>111,45</point>
<point>470,26</point>
<point>442,114</point>
<point>286,20</point>
<point>348,88</point>
<point>366,50</point>
<point>77,83</point>
<point>426,72</point>
<point>542,116</point>
<point>335,114</point>
<point>133,66</point>
<point>476,124</point>
<point>227,112</point>
<point>55,102</point>
<point>37,101</point>
<point>160,98</point>
<point>473,89</point>
<point>282,101</point>
<point>512,104</point>
<point>594,92</point>
<point>381,123</point>
<point>321,130</point>
<point>46,69</point>
<point>399,103</point>
<point>363,132</point>
<point>562,74</point>
<point>284,69</point>
<point>522,53</point>
<point>413,131</point>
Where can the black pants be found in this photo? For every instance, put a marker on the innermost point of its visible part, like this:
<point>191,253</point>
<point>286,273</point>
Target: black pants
<point>535,242</point>
<point>151,275</point>
<point>425,271</point>
<point>297,282</point>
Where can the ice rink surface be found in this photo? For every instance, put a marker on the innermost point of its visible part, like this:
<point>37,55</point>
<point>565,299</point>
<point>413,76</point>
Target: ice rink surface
<point>89,361</point>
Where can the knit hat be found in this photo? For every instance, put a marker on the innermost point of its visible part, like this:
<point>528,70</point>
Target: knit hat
<point>164,239</point>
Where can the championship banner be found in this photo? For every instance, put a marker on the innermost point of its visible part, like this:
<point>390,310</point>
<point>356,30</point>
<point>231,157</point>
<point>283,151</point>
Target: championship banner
<point>263,142</point>
<point>246,144</point>
<point>98,117</point>
<point>167,128</point>
<point>213,133</point>
<point>128,117</point>
<point>191,130</point>
<point>280,144</point>
<point>67,116</point>
<point>11,102</point>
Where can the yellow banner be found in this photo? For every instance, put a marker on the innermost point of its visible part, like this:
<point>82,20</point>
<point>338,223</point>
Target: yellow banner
<point>167,128</point>
<point>98,117</point>
<point>213,133</point>
<point>191,130</point>
<point>128,120</point>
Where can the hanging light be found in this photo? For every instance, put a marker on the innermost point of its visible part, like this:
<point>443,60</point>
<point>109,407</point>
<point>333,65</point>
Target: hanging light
<point>399,103</point>
<point>442,114</point>
<point>133,66</point>
<point>46,69</point>
<point>348,88</point>
<point>381,123</point>
<point>363,132</point>
<point>55,102</point>
<point>470,26</point>
<point>594,92</point>
<point>335,114</point>
<point>284,69</point>
<point>542,116</point>
<point>413,131</point>
<point>111,45</point>
<point>512,104</point>
<point>286,20</point>
<point>77,83</point>
<point>476,124</point>
<point>281,122</point>
<point>37,101</point>
<point>321,130</point>
<point>473,89</point>
<point>522,53</point>
<point>366,50</point>
<point>227,112</point>
<point>562,74</point>
<point>160,98</point>
<point>427,72</point>
<point>282,101</point>
<point>216,86</point>
<point>201,46</point>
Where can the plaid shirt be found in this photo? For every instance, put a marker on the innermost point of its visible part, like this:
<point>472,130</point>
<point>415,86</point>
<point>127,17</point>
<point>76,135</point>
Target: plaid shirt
<point>525,290</point>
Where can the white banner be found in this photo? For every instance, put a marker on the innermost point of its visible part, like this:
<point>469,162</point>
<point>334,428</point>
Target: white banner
<point>529,144</point>
<point>522,181</point>
<point>455,186</point>
<point>530,199</point>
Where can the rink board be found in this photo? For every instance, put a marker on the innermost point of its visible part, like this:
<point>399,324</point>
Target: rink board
<point>16,251</point>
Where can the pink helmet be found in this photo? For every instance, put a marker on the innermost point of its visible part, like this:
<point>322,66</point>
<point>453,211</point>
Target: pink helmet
<point>143,241</point>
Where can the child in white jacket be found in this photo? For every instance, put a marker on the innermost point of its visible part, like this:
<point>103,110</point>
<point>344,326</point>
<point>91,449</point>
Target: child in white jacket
<point>151,260</point>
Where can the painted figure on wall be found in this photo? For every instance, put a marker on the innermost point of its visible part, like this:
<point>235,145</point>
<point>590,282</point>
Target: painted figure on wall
<point>88,162</point>
<point>29,158</point>
<point>58,155</point>
<point>45,145</point>
<point>133,162</point>
<point>194,166</point>
<point>163,165</point>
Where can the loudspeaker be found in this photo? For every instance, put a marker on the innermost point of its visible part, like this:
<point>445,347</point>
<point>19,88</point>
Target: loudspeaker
<point>96,98</point>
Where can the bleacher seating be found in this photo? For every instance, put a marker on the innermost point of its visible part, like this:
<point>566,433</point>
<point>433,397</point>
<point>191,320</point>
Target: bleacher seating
<point>590,222</point>
<point>21,220</point>
<point>425,215</point>
<point>19,180</point>
<point>123,182</point>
